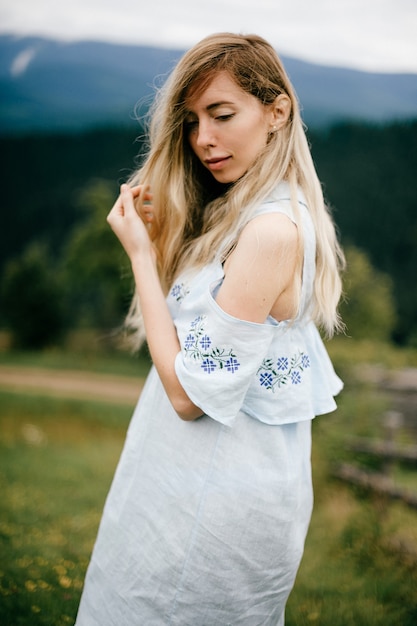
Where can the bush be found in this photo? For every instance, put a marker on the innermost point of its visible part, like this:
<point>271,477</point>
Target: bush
<point>32,299</point>
<point>96,270</point>
<point>369,309</point>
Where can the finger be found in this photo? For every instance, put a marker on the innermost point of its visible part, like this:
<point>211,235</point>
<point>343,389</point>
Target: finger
<point>117,209</point>
<point>142,201</point>
<point>147,214</point>
<point>123,202</point>
<point>142,192</point>
<point>126,197</point>
<point>136,190</point>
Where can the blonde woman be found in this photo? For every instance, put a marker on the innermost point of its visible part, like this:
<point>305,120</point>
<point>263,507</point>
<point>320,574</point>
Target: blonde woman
<point>236,263</point>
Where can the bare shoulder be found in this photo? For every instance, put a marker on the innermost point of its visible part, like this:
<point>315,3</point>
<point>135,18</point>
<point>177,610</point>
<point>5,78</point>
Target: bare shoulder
<point>261,269</point>
<point>267,243</point>
<point>269,233</point>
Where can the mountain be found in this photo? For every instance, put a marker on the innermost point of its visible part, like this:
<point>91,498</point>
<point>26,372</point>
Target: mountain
<point>46,85</point>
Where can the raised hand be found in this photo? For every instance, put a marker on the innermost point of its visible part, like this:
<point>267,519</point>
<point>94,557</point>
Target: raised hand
<point>129,217</point>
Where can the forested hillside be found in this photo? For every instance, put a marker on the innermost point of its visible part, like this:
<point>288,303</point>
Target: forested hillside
<point>368,174</point>
<point>48,85</point>
<point>369,178</point>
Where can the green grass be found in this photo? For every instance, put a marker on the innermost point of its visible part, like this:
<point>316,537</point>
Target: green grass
<point>57,459</point>
<point>346,352</point>
<point>360,561</point>
<point>83,351</point>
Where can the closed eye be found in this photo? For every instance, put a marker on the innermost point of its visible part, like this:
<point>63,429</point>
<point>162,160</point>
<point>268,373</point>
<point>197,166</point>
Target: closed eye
<point>224,118</point>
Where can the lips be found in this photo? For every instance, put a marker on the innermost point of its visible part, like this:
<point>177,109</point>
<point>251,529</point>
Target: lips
<point>216,163</point>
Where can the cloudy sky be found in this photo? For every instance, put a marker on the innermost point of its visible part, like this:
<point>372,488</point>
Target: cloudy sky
<point>376,35</point>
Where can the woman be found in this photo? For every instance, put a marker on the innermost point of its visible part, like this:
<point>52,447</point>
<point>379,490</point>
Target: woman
<point>235,261</point>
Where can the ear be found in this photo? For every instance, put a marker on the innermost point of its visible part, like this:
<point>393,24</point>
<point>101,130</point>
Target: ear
<point>280,112</point>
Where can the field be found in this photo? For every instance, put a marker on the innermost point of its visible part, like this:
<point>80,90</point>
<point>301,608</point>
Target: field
<point>57,458</point>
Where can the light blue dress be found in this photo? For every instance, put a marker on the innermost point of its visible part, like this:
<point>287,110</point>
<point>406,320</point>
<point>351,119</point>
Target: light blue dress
<point>206,520</point>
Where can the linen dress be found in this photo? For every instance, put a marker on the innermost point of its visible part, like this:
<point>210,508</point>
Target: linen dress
<point>206,520</point>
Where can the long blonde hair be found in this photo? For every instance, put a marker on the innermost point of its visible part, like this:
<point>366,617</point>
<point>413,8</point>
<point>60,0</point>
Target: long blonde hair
<point>193,213</point>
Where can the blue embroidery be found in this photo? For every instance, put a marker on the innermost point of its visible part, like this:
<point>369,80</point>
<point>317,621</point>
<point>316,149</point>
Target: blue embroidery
<point>205,342</point>
<point>197,321</point>
<point>273,374</point>
<point>266,379</point>
<point>295,378</point>
<point>189,342</point>
<point>305,361</point>
<point>197,346</point>
<point>282,363</point>
<point>179,291</point>
<point>208,366</point>
<point>232,365</point>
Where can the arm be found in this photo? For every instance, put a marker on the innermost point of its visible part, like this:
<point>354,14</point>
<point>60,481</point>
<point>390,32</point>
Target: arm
<point>258,272</point>
<point>160,330</point>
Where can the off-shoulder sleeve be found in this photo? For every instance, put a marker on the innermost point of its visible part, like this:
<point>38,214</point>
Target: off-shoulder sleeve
<point>219,356</point>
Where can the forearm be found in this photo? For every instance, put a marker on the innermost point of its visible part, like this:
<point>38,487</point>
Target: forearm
<point>161,334</point>
<point>128,224</point>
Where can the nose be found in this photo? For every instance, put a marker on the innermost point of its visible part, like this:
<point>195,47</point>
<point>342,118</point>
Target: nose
<point>205,136</point>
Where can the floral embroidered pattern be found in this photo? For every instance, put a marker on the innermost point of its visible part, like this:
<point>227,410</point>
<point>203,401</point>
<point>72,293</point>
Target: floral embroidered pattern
<point>179,291</point>
<point>275,374</point>
<point>197,345</point>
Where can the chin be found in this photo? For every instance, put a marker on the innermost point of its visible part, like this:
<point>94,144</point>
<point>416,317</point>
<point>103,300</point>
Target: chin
<point>226,179</point>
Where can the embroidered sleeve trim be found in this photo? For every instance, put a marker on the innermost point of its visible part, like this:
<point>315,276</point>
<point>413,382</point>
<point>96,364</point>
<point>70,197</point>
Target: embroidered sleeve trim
<point>198,346</point>
<point>274,374</point>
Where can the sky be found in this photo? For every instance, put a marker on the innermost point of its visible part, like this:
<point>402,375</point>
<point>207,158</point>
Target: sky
<point>370,35</point>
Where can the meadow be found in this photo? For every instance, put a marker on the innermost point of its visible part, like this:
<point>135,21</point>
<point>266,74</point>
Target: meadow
<point>58,455</point>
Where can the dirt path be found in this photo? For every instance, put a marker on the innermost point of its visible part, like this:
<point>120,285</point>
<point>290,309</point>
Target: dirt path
<point>86,385</point>
<point>396,380</point>
<point>70,384</point>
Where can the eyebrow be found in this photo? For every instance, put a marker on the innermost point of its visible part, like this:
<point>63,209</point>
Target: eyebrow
<point>214,105</point>
<point>210,107</point>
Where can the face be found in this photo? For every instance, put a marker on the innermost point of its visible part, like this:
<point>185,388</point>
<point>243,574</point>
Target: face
<point>227,128</point>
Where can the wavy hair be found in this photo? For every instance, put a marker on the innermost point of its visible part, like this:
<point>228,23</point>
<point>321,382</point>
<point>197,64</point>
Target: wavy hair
<point>193,213</point>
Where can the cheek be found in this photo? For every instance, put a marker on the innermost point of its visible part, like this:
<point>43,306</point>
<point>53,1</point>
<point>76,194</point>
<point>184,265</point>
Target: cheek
<point>254,143</point>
